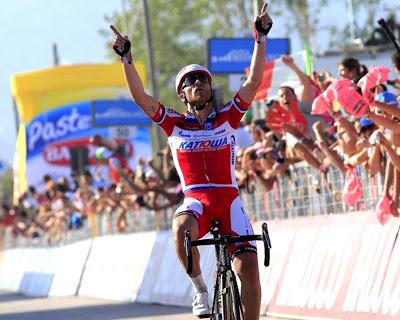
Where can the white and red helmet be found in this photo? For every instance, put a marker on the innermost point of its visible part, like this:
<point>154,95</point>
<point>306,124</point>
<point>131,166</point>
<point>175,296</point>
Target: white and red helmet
<point>191,68</point>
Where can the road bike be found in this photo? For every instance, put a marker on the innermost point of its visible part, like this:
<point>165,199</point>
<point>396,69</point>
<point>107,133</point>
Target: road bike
<point>226,301</point>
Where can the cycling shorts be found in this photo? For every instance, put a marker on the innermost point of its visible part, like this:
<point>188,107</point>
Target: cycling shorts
<point>221,204</point>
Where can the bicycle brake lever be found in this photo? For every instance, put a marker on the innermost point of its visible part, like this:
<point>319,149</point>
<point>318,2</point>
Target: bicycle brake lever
<point>188,250</point>
<point>267,244</point>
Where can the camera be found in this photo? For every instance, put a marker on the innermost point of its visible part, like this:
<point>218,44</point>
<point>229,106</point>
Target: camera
<point>321,77</point>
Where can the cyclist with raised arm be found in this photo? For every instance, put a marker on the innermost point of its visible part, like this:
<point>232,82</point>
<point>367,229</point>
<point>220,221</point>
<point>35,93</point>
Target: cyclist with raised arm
<point>203,145</point>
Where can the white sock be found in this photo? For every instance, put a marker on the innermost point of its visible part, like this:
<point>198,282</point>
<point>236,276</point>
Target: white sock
<point>198,283</point>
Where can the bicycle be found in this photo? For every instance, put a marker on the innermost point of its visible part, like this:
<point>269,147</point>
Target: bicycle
<point>226,301</point>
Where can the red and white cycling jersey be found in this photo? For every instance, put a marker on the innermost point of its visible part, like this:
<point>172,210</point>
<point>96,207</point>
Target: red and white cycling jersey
<point>204,154</point>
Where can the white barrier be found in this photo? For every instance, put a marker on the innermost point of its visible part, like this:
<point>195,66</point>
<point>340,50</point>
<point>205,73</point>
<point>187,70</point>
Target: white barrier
<point>69,262</point>
<point>325,267</point>
<point>116,266</point>
<point>336,267</point>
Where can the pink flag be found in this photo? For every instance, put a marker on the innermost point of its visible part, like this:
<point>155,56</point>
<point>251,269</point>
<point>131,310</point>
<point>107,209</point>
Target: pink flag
<point>352,190</point>
<point>344,91</point>
<point>375,76</point>
<point>382,209</point>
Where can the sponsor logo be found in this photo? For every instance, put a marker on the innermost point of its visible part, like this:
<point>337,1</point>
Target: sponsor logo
<point>173,113</point>
<point>58,153</point>
<point>184,135</point>
<point>220,131</point>
<point>233,146</point>
<point>50,131</point>
<point>204,144</point>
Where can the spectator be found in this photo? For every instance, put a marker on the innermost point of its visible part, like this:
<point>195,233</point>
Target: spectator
<point>350,68</point>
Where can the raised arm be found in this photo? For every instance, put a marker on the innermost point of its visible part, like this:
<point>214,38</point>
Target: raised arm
<point>262,25</point>
<point>122,46</point>
<point>387,108</point>
<point>383,122</point>
<point>306,93</point>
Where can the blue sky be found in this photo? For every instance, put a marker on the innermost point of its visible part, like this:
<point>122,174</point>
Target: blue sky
<point>30,27</point>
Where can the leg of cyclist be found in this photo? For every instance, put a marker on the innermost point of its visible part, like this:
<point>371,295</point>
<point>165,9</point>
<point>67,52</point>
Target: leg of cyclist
<point>246,267</point>
<point>186,221</point>
<point>181,223</point>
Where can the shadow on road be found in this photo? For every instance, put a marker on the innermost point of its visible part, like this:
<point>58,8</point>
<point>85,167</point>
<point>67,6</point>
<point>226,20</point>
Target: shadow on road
<point>10,296</point>
<point>55,309</point>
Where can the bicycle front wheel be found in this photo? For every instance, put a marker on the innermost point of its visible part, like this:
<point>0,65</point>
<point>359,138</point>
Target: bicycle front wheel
<point>231,303</point>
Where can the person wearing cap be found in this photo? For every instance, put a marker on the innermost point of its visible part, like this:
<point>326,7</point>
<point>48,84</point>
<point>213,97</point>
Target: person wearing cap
<point>203,144</point>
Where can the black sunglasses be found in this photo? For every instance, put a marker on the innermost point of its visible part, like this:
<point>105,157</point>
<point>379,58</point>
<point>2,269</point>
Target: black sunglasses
<point>193,77</point>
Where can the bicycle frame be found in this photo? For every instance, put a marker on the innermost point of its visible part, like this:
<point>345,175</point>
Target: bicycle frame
<point>226,301</point>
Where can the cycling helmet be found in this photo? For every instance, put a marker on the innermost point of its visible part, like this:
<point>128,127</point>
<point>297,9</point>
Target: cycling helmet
<point>388,98</point>
<point>102,153</point>
<point>191,68</point>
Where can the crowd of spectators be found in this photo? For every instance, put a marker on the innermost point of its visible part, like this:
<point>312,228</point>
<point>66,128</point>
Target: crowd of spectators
<point>65,205</point>
<point>291,132</point>
<point>295,129</point>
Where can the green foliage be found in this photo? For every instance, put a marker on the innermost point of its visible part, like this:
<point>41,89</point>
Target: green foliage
<point>6,185</point>
<point>180,29</point>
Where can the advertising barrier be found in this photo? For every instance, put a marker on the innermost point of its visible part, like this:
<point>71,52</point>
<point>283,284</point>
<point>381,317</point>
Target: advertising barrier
<point>50,137</point>
<point>322,267</point>
<point>69,263</point>
<point>333,267</point>
<point>42,272</point>
<point>233,55</point>
<point>116,266</point>
<point>54,106</point>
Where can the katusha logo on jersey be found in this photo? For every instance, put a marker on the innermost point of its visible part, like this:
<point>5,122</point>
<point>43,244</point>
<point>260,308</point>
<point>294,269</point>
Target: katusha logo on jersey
<point>59,153</point>
<point>203,144</point>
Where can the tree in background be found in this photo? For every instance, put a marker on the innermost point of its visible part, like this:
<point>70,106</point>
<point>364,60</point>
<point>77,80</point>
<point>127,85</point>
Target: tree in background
<point>304,19</point>
<point>180,29</point>
<point>365,18</point>
<point>6,184</point>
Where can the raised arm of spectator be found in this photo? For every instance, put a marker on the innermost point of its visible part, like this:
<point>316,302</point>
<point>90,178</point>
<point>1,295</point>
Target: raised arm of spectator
<point>348,126</point>
<point>122,46</point>
<point>375,160</point>
<point>393,156</point>
<point>306,93</point>
<point>383,122</point>
<point>358,158</point>
<point>249,88</point>
<point>387,108</point>
<point>332,155</point>
<point>157,170</point>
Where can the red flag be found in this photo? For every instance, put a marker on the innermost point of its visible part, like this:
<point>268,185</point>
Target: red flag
<point>266,82</point>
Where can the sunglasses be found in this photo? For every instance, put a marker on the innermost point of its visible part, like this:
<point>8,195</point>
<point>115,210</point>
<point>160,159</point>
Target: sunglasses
<point>192,78</point>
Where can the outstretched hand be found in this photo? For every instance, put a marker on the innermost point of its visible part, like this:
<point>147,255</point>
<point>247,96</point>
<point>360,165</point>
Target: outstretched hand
<point>263,22</point>
<point>287,60</point>
<point>121,45</point>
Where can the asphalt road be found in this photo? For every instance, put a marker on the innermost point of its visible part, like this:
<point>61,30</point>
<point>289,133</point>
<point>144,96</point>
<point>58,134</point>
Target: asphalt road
<point>17,307</point>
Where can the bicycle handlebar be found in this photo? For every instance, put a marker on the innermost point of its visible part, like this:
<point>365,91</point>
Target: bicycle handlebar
<point>224,240</point>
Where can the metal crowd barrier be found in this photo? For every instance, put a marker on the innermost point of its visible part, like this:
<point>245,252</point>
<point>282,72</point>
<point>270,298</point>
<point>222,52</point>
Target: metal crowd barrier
<point>300,193</point>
